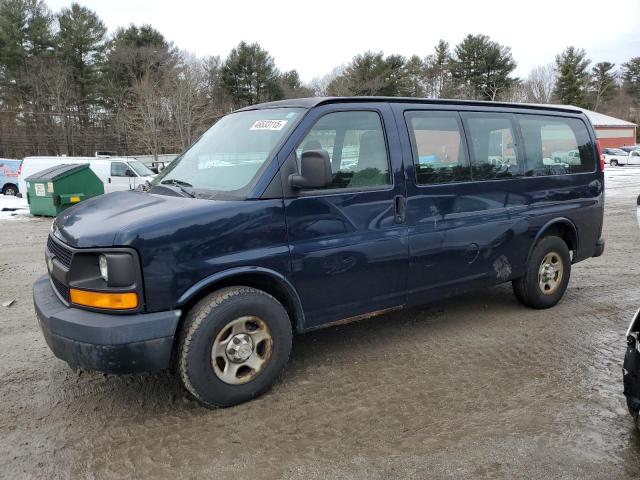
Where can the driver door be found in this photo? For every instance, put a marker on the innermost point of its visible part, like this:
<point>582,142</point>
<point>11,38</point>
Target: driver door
<point>119,178</point>
<point>348,241</point>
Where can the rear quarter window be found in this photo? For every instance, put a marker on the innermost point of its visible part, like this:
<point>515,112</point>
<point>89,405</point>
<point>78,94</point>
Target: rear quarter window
<point>556,145</point>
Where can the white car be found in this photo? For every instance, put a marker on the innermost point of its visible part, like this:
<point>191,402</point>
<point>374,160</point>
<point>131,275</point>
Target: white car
<point>617,156</point>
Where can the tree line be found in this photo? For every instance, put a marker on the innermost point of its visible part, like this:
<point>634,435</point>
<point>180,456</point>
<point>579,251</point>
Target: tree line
<point>68,86</point>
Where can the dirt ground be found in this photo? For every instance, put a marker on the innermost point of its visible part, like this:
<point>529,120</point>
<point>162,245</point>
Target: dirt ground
<point>473,387</point>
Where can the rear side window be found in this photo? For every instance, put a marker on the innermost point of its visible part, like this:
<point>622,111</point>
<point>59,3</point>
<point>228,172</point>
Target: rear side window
<point>438,147</point>
<point>556,145</point>
<point>492,146</point>
<point>356,145</point>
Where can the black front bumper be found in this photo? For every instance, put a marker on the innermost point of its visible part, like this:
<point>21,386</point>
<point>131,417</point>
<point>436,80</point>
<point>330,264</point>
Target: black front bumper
<point>599,248</point>
<point>104,342</point>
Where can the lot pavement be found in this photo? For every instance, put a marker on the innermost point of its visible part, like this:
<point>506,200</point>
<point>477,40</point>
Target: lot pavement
<point>473,387</point>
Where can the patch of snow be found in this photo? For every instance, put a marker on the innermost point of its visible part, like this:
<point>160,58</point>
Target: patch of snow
<point>13,208</point>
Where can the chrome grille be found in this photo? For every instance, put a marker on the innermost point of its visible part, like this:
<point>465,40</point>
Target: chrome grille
<point>60,252</point>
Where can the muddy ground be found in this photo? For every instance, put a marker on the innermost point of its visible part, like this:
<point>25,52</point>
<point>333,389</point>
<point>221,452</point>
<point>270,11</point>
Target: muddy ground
<point>473,387</point>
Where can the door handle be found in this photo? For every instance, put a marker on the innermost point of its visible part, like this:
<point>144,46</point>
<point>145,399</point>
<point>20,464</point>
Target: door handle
<point>399,205</point>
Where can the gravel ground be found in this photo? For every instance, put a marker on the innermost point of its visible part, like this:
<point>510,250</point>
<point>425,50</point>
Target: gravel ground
<point>473,387</point>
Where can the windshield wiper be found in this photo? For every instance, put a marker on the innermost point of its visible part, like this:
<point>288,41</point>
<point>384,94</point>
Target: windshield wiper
<point>184,187</point>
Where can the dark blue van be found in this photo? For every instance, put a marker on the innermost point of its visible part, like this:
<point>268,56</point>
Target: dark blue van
<point>292,215</point>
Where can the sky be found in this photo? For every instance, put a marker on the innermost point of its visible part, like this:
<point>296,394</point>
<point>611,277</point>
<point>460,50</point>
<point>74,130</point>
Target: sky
<point>314,37</point>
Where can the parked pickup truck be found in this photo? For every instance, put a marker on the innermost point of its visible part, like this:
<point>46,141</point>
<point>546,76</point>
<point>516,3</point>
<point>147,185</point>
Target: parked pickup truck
<point>617,156</point>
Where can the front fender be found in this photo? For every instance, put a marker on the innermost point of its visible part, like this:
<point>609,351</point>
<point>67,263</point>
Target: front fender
<point>225,275</point>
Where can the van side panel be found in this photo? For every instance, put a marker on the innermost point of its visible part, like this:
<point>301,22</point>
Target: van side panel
<point>577,198</point>
<point>474,233</point>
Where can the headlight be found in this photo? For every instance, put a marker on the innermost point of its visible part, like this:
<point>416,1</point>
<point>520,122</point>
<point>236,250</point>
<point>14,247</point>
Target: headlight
<point>104,268</point>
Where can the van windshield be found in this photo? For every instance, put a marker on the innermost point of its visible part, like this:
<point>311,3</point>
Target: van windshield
<point>140,168</point>
<point>230,153</point>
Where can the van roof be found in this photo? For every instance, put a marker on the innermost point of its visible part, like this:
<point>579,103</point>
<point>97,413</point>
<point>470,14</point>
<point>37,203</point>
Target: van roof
<point>311,102</point>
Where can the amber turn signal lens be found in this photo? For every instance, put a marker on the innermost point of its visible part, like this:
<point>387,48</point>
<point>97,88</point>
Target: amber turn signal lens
<point>113,301</point>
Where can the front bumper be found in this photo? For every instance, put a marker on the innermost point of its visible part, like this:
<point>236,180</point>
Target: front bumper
<point>599,248</point>
<point>104,342</point>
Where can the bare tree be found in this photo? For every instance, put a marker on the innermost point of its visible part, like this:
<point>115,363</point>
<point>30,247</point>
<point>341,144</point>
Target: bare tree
<point>540,84</point>
<point>148,114</point>
<point>320,85</point>
<point>187,101</point>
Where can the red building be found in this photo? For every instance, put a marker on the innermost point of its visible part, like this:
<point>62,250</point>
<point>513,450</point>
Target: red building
<point>612,132</point>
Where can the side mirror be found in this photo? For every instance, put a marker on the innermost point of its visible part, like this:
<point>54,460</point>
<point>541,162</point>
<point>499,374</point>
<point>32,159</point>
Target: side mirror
<point>129,173</point>
<point>315,170</point>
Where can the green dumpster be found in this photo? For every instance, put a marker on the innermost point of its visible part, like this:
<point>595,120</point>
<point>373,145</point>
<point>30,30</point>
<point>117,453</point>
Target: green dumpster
<point>52,190</point>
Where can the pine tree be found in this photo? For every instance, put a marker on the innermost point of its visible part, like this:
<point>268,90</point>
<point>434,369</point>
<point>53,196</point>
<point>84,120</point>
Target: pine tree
<point>249,75</point>
<point>603,84</point>
<point>631,79</point>
<point>573,77</point>
<point>26,39</point>
<point>81,42</point>
<point>482,67</point>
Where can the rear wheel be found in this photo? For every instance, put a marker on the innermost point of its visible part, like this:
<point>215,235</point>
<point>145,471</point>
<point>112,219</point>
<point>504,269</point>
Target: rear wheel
<point>613,163</point>
<point>10,189</point>
<point>233,346</point>
<point>547,275</point>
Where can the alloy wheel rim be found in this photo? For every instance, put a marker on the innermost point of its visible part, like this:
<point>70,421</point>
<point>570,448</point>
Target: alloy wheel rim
<point>550,273</point>
<point>241,350</point>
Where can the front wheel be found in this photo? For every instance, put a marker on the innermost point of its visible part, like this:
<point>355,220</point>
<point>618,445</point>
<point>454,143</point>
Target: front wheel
<point>233,345</point>
<point>10,189</point>
<point>613,163</point>
<point>547,275</point>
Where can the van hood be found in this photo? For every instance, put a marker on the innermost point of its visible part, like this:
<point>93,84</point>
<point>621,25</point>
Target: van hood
<point>117,219</point>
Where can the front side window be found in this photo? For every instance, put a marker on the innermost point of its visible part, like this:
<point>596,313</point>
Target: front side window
<point>556,145</point>
<point>492,146</point>
<point>230,154</point>
<point>119,169</point>
<point>438,147</point>
<point>356,145</point>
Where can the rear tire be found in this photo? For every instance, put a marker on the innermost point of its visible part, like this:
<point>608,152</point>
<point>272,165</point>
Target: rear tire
<point>10,189</point>
<point>547,275</point>
<point>233,345</point>
<point>613,163</point>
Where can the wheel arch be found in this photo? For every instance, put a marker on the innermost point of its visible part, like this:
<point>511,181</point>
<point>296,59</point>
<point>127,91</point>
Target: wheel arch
<point>561,227</point>
<point>267,280</point>
<point>10,184</point>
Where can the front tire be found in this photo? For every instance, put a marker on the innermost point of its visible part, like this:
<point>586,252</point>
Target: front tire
<point>10,189</point>
<point>613,163</point>
<point>547,275</point>
<point>233,345</point>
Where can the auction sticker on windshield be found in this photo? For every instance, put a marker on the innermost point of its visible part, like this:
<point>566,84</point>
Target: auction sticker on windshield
<point>268,125</point>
